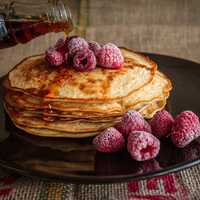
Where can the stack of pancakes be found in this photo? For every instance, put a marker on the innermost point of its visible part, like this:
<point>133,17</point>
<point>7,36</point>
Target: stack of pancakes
<point>61,102</point>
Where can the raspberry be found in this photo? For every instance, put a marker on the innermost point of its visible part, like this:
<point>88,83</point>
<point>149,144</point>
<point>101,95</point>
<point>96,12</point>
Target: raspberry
<point>95,47</point>
<point>143,145</point>
<point>60,43</point>
<point>132,121</point>
<point>112,45</point>
<point>60,46</point>
<point>185,129</point>
<point>111,140</point>
<point>84,60</point>
<point>161,123</point>
<point>110,56</point>
<point>53,57</point>
<point>69,38</point>
<point>77,44</point>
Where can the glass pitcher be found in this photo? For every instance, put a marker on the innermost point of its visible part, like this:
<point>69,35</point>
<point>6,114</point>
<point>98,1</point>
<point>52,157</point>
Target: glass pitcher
<point>22,21</point>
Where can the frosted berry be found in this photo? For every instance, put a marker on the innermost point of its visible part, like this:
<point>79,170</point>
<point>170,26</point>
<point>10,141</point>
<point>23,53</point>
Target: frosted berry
<point>110,140</point>
<point>53,57</point>
<point>161,123</point>
<point>110,56</point>
<point>60,42</point>
<point>84,60</point>
<point>60,46</point>
<point>112,45</point>
<point>143,145</point>
<point>185,129</point>
<point>132,121</point>
<point>95,47</point>
<point>69,38</point>
<point>77,44</point>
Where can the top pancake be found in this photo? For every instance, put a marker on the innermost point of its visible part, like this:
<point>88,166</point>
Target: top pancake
<point>33,76</point>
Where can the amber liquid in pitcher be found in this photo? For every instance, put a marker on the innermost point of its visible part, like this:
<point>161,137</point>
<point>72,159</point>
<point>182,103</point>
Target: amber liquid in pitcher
<point>13,32</point>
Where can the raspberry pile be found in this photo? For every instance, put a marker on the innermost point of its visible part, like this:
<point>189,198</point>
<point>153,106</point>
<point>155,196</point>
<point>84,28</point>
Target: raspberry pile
<point>84,55</point>
<point>142,137</point>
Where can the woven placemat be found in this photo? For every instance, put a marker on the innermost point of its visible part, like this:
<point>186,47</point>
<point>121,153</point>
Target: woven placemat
<point>165,27</point>
<point>183,185</point>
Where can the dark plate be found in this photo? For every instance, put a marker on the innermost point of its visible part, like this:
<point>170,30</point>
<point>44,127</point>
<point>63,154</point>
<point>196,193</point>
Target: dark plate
<point>75,160</point>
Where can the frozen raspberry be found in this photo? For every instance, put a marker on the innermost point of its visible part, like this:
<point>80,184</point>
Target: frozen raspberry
<point>132,121</point>
<point>112,45</point>
<point>84,60</point>
<point>60,42</point>
<point>60,46</point>
<point>53,57</point>
<point>143,145</point>
<point>111,140</point>
<point>95,47</point>
<point>110,56</point>
<point>69,38</point>
<point>161,123</point>
<point>185,129</point>
<point>77,44</point>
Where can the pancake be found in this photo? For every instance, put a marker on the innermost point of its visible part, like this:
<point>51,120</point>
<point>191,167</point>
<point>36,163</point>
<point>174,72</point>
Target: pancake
<point>36,126</point>
<point>159,86</point>
<point>67,126</point>
<point>61,102</point>
<point>44,132</point>
<point>20,100</point>
<point>78,116</point>
<point>155,106</point>
<point>33,76</point>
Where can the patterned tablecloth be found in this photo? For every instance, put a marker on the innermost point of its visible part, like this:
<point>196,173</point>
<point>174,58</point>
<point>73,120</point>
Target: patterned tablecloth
<point>183,185</point>
<point>159,26</point>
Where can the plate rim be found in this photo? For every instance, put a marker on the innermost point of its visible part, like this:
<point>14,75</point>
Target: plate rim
<point>88,179</point>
